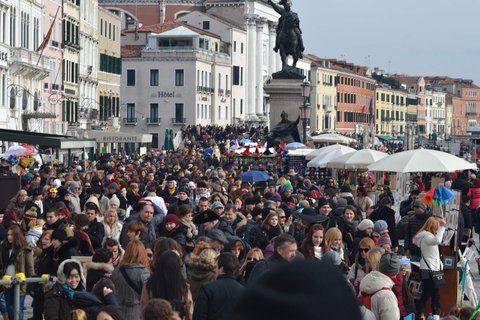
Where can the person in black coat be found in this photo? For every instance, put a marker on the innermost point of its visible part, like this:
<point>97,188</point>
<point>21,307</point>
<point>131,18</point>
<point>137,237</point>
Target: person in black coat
<point>285,248</point>
<point>63,248</point>
<point>93,302</point>
<point>385,212</point>
<point>406,205</point>
<point>95,230</point>
<point>171,227</point>
<point>217,298</point>
<point>100,267</point>
<point>415,222</point>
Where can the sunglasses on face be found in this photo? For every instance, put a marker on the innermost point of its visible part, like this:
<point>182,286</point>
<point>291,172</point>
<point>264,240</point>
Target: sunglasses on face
<point>252,259</point>
<point>363,249</point>
<point>283,217</point>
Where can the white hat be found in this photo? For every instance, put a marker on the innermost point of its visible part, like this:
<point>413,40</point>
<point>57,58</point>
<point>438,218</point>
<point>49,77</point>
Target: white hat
<point>57,183</point>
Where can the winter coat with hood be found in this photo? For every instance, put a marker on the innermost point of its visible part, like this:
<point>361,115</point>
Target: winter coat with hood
<point>22,259</point>
<point>97,271</point>
<point>384,303</point>
<point>200,271</point>
<point>428,244</point>
<point>59,299</point>
<point>127,297</point>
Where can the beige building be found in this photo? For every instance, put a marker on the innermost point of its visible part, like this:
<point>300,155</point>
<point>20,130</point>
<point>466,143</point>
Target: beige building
<point>391,110</point>
<point>109,70</point>
<point>323,97</point>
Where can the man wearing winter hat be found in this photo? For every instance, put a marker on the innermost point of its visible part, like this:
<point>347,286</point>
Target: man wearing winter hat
<point>201,191</point>
<point>415,222</point>
<point>218,207</point>
<point>114,190</point>
<point>217,240</point>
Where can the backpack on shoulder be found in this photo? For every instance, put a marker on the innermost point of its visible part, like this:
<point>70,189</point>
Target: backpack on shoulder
<point>367,298</point>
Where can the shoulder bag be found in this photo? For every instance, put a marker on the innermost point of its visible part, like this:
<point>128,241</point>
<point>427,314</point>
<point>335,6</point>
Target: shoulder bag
<point>130,282</point>
<point>438,277</point>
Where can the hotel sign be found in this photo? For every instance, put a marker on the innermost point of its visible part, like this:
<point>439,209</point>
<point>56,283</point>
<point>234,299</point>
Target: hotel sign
<point>166,94</point>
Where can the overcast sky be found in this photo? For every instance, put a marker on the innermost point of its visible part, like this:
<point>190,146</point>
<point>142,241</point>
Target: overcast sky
<point>416,37</point>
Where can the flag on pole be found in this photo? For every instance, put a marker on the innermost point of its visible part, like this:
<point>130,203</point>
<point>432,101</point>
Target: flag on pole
<point>48,35</point>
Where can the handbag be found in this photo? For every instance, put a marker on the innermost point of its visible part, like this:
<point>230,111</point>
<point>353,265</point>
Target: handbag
<point>438,277</point>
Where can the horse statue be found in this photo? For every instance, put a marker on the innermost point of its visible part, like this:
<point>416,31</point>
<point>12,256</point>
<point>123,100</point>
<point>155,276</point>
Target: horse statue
<point>289,39</point>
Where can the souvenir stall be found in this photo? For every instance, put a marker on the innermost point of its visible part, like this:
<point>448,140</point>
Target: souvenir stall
<point>252,156</point>
<point>295,161</point>
<point>444,203</point>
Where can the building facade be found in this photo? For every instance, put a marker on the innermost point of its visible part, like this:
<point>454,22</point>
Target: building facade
<point>323,96</point>
<point>355,98</point>
<point>391,111</point>
<point>52,94</point>
<point>109,72</point>
<point>235,37</point>
<point>174,75</point>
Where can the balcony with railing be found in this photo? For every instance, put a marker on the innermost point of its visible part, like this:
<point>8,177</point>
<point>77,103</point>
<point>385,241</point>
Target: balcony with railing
<point>471,114</point>
<point>154,121</point>
<point>29,63</point>
<point>177,120</point>
<point>130,121</point>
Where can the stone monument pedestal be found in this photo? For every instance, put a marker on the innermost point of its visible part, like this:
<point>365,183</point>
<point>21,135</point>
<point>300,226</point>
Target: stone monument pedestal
<point>285,95</point>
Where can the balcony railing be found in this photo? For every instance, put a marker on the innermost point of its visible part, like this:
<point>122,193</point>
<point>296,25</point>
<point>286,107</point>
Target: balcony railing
<point>471,114</point>
<point>130,121</point>
<point>154,120</point>
<point>179,120</point>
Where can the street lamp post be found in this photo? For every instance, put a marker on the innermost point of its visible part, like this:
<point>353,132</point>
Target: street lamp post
<point>305,109</point>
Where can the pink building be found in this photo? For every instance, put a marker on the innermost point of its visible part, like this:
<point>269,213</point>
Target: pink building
<point>52,87</point>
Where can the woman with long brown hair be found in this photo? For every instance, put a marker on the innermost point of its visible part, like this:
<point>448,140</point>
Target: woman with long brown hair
<point>130,277</point>
<point>15,257</point>
<point>312,244</point>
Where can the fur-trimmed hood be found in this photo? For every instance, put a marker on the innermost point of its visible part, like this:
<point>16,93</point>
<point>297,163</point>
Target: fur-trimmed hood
<point>241,221</point>
<point>61,277</point>
<point>99,266</point>
<point>199,264</point>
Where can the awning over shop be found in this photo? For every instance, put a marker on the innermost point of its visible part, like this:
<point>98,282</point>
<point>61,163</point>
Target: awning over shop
<point>46,140</point>
<point>119,137</point>
<point>385,138</point>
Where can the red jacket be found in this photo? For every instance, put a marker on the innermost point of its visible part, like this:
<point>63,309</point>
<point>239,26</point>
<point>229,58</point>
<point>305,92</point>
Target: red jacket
<point>475,194</point>
<point>398,291</point>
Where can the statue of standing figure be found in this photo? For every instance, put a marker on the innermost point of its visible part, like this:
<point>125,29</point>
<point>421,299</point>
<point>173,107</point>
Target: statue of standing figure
<point>289,39</point>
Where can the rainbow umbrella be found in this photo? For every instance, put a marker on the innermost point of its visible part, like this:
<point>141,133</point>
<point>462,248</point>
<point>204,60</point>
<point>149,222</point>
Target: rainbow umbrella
<point>439,195</point>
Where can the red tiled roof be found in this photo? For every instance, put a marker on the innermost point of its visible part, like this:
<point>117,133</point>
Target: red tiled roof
<point>131,51</point>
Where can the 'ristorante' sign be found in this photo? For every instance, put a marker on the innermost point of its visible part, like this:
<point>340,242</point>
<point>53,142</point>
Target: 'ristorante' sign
<point>119,139</point>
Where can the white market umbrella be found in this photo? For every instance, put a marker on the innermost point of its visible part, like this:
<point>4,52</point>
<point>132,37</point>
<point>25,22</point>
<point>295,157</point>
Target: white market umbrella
<point>299,152</point>
<point>357,160</point>
<point>332,138</point>
<point>325,150</point>
<point>322,160</point>
<point>421,160</point>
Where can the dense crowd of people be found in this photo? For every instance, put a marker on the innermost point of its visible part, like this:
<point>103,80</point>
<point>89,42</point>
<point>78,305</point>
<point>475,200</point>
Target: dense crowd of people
<point>173,235</point>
